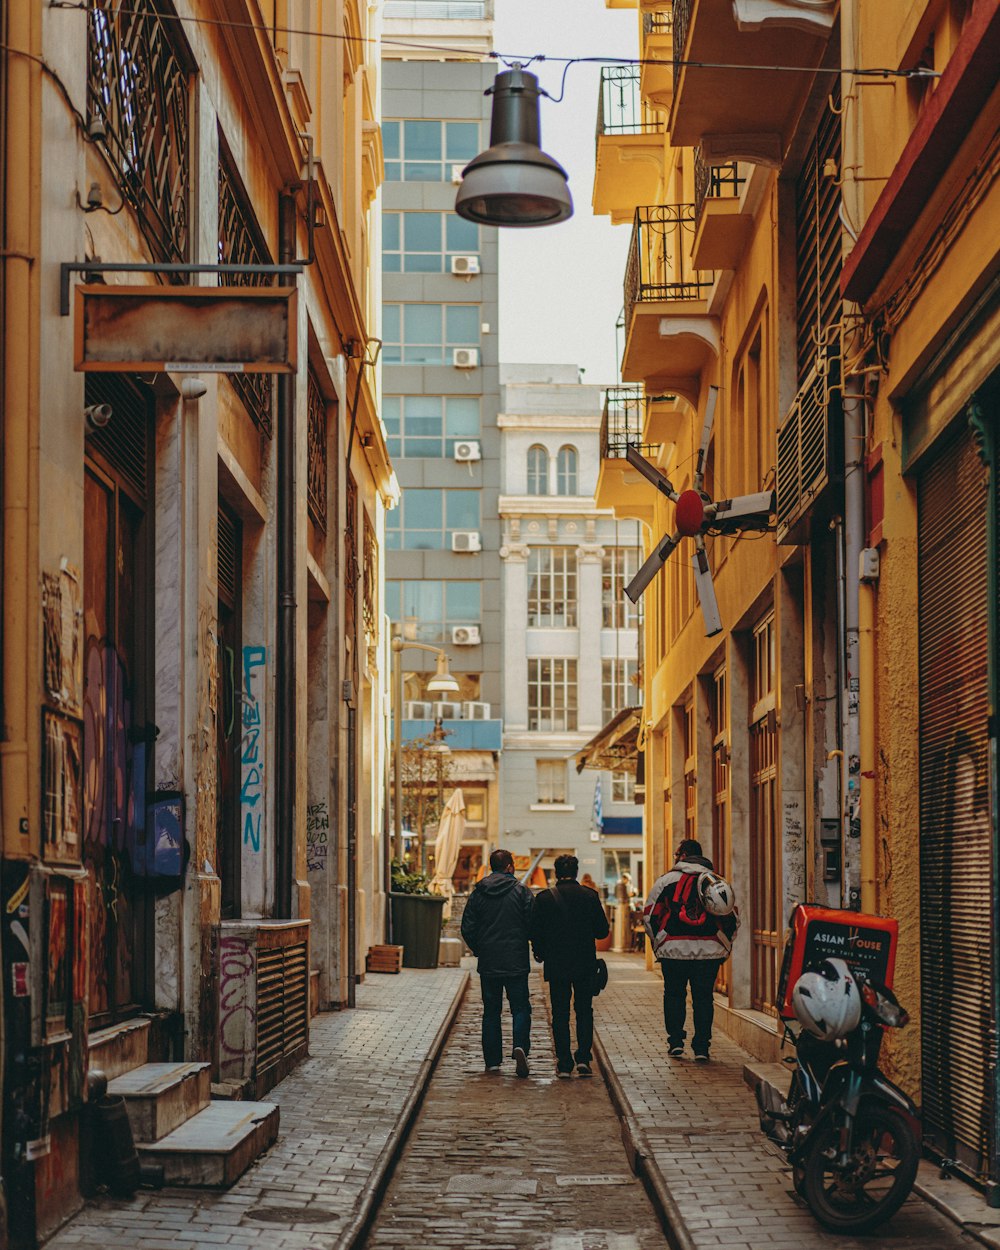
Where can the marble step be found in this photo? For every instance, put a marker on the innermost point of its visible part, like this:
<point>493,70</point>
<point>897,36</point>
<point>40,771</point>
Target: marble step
<point>216,1146</point>
<point>160,1097</point>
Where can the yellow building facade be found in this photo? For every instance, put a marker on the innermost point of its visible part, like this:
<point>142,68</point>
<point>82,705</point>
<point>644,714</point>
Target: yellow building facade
<point>194,654</point>
<point>818,240</point>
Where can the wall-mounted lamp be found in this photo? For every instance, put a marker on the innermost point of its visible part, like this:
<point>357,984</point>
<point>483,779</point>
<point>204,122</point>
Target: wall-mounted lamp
<point>514,183</point>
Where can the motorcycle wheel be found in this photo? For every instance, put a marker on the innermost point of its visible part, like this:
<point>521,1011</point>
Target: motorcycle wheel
<point>877,1180</point>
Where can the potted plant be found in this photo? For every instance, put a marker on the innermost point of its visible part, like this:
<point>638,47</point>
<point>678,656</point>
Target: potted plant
<point>416,916</point>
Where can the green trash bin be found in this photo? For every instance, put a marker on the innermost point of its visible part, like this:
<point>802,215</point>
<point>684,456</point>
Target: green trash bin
<point>416,927</point>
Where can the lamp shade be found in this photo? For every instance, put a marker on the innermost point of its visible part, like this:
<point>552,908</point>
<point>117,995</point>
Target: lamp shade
<point>442,682</point>
<point>514,183</point>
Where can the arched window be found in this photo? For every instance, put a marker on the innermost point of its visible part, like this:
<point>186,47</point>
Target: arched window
<point>538,470</point>
<point>566,471</point>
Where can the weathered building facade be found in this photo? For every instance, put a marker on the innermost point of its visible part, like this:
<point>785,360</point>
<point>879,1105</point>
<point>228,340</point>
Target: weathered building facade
<point>193,649</point>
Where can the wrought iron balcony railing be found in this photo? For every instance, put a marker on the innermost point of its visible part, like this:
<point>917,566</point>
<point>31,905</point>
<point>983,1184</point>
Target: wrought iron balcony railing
<point>661,23</point>
<point>620,109</point>
<point>659,258</point>
<point>622,420</point>
<point>682,20</point>
<point>714,182</point>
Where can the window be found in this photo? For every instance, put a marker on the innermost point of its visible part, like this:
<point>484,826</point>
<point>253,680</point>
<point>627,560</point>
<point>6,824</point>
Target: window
<point>426,519</point>
<point>690,774</point>
<point>566,471</point>
<point>552,587</point>
<point>429,425</point>
<point>619,566</point>
<point>425,242</point>
<point>427,611</point>
<point>551,778</point>
<point>538,471</point>
<point>552,695</point>
<point>619,688</point>
<point>765,837</point>
<point>622,788</point>
<point>426,334</point>
<point>424,151</point>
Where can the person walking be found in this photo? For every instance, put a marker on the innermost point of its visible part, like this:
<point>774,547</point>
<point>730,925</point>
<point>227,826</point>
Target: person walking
<point>691,919</point>
<point>495,925</point>
<point>565,922</point>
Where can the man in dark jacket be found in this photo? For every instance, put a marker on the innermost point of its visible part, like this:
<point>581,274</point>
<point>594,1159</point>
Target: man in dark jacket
<point>565,922</point>
<point>495,927</point>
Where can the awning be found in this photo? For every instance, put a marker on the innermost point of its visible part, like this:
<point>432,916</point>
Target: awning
<point>614,748</point>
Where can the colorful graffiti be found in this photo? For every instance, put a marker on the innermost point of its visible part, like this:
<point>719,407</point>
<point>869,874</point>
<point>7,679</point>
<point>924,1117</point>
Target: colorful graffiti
<point>252,750</point>
<point>237,1009</point>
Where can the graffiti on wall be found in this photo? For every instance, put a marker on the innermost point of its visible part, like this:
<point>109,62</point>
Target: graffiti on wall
<point>252,747</point>
<point>237,1009</point>
<point>317,836</point>
<point>62,626</point>
<point>62,773</point>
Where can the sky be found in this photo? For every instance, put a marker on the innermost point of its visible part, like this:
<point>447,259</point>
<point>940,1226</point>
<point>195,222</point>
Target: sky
<point>561,286</point>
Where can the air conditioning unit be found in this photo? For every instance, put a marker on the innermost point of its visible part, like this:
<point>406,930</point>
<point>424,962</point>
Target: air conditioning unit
<point>466,540</point>
<point>418,710</point>
<point>465,635</point>
<point>476,711</point>
<point>465,265</point>
<point>465,357</point>
<point>468,450</point>
<point>447,711</point>
<point>456,173</point>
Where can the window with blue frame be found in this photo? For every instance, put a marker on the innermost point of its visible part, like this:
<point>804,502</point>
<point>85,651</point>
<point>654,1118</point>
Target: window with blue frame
<point>424,151</point>
<point>426,242</point>
<point>427,334</point>
<point>426,519</point>
<point>427,611</point>
<point>427,426</point>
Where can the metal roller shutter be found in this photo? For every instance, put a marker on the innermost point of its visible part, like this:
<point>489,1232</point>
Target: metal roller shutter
<point>955,822</point>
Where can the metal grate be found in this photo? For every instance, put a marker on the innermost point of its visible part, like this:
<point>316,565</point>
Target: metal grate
<point>241,242</point>
<point>124,441</point>
<point>818,242</point>
<point>138,92</point>
<point>282,1003</point>
<point>659,257</point>
<point>809,449</point>
<point>228,556</point>
<point>370,581</point>
<point>621,422</point>
<point>658,23</point>
<point>316,454</point>
<point>681,12</point>
<point>620,107</point>
<point>714,182</point>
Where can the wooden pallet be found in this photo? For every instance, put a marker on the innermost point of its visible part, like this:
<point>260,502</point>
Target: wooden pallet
<point>384,959</point>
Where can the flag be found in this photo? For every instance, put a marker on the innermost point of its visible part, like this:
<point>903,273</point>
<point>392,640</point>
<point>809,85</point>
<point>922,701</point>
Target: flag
<point>597,817</point>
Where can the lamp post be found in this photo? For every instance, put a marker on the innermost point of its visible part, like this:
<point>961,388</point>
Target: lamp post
<point>442,682</point>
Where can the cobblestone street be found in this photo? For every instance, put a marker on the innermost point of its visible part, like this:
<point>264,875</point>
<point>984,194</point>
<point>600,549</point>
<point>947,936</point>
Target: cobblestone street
<point>496,1162</point>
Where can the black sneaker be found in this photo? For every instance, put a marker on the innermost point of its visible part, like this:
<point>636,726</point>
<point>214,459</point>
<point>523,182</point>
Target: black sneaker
<point>493,1068</point>
<point>584,1069</point>
<point>701,1056</point>
<point>562,1074</point>
<point>520,1061</point>
<point>675,1052</point>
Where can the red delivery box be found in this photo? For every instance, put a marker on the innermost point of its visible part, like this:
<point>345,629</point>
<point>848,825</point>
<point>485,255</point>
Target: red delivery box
<point>818,933</point>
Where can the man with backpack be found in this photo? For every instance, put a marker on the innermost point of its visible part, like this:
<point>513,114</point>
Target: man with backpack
<point>565,922</point>
<point>691,919</point>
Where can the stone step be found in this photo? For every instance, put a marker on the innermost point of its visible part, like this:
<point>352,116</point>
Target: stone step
<point>160,1097</point>
<point>216,1146</point>
<point>119,1048</point>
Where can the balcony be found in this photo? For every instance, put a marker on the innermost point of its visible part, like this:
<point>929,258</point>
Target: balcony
<point>744,113</point>
<point>669,336</point>
<point>622,427</point>
<point>722,229</point>
<point>630,139</point>
<point>656,82</point>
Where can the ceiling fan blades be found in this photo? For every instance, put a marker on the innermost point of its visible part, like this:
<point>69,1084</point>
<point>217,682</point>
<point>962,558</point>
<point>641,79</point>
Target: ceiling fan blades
<point>706,434</point>
<point>746,509</point>
<point>654,562</point>
<point>706,590</point>
<point>650,472</point>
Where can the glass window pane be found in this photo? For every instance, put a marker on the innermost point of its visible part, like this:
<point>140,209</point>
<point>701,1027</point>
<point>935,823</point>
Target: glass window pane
<point>422,323</point>
<point>423,354</point>
<point>423,262</point>
<point>390,413</point>
<point>392,600</point>
<point>462,510</point>
<point>422,140</point>
<point>423,232</point>
<point>461,417</point>
<point>462,235</point>
<point>423,406</point>
<point>393,169</point>
<point>463,602</point>
<point>390,323</point>
<point>422,600</point>
<point>391,262</point>
<point>423,447</point>
<point>423,427</point>
<point>390,232</point>
<point>390,140</point>
<point>421,171</point>
<point>462,141</point>
<point>463,323</point>
<point>422,509</point>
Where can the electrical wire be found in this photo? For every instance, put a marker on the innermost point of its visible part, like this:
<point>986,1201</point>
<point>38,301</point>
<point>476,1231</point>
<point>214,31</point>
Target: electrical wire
<point>505,58</point>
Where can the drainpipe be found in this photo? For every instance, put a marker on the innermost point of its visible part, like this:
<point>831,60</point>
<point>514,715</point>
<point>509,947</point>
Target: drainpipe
<point>866,675</point>
<point>285,738</point>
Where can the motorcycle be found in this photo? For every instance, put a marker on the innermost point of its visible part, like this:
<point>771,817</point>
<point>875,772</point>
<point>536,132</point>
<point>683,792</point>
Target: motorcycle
<point>851,1135</point>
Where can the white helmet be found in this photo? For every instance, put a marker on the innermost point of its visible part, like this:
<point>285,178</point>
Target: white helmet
<point>827,1002</point>
<point>716,894</point>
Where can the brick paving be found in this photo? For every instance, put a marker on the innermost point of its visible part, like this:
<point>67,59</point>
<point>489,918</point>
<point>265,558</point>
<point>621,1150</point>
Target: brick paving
<point>733,1188</point>
<point>338,1109</point>
<point>498,1163</point>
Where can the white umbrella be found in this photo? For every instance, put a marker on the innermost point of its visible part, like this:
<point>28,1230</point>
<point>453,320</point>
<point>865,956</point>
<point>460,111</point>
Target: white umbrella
<point>451,829</point>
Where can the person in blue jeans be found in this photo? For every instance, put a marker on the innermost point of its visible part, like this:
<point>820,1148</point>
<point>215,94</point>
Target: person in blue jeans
<point>495,926</point>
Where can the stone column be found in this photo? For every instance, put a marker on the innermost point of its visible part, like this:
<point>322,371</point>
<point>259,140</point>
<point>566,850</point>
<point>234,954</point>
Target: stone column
<point>515,622</point>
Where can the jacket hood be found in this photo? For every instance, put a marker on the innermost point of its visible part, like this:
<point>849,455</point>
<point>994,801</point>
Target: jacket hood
<point>497,883</point>
<point>696,863</point>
